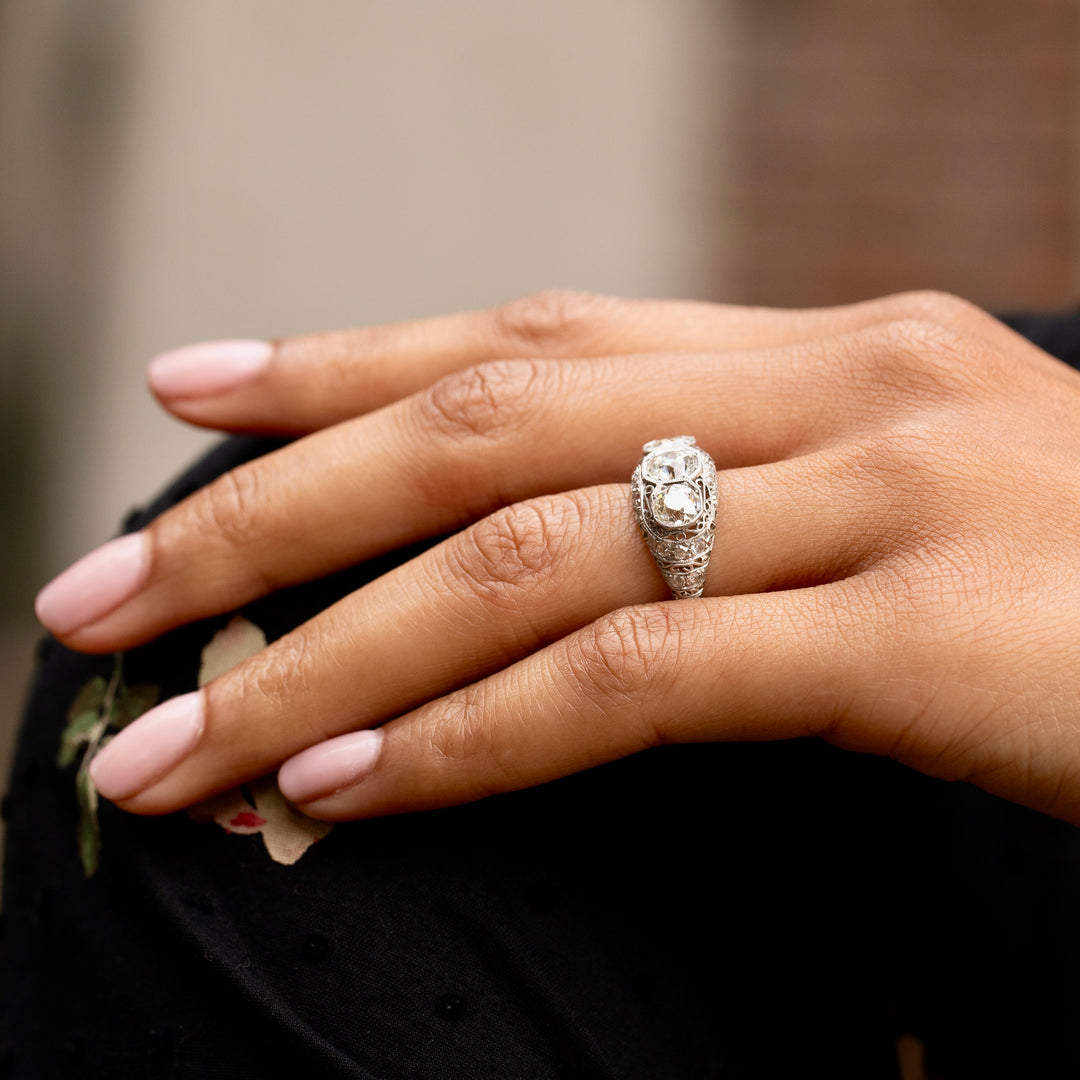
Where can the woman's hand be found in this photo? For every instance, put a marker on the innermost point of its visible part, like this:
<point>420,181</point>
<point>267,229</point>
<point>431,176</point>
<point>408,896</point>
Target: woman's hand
<point>896,569</point>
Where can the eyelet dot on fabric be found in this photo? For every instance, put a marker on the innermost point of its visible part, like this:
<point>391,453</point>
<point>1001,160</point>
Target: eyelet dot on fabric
<point>316,948</point>
<point>450,1007</point>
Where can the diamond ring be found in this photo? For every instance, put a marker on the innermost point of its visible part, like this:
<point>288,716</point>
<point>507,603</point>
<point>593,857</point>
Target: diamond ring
<point>673,492</point>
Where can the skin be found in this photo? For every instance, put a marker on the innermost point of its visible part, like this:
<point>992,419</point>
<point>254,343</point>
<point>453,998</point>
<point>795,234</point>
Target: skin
<point>897,565</point>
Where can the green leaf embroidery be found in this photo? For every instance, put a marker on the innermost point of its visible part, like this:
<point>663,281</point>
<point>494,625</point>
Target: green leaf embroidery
<point>89,831</point>
<point>89,698</point>
<point>99,705</point>
<point>102,707</point>
<point>77,732</point>
<point>132,702</point>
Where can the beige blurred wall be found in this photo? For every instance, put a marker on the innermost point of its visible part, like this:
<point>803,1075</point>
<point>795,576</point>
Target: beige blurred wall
<point>261,167</point>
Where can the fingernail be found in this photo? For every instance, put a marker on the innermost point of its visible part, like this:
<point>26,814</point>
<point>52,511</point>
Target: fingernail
<point>94,585</point>
<point>330,766</point>
<point>206,369</point>
<point>149,748</point>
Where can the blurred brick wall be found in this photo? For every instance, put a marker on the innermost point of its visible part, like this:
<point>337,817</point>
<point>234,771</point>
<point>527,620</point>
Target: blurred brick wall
<point>893,144</point>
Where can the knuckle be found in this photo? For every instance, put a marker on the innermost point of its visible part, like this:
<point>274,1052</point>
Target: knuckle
<point>462,738</point>
<point>335,357</point>
<point>553,321</point>
<point>508,554</point>
<point>483,401</point>
<point>230,506</point>
<point>934,306</point>
<point>906,460</point>
<point>919,338</point>
<point>923,360</point>
<point>458,734</point>
<point>628,653</point>
<point>272,674</point>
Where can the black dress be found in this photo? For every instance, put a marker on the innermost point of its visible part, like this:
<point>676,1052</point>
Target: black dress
<point>738,911</point>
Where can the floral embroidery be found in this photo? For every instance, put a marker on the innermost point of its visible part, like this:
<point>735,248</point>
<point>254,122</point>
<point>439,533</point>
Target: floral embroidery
<point>100,708</point>
<point>103,707</point>
<point>258,807</point>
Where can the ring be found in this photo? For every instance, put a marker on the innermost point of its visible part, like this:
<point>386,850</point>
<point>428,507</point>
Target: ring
<point>673,492</point>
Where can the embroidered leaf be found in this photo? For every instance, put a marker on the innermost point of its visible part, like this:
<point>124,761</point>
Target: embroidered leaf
<point>132,702</point>
<point>89,833</point>
<point>258,807</point>
<point>229,647</point>
<point>89,699</point>
<point>87,722</point>
<point>78,731</point>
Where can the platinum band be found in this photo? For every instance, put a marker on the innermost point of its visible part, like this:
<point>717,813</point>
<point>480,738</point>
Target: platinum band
<point>674,494</point>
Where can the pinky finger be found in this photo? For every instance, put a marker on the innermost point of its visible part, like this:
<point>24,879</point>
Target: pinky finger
<point>759,666</point>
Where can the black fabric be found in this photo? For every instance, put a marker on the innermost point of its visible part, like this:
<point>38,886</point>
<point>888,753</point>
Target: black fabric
<point>736,911</point>
<point>1058,334</point>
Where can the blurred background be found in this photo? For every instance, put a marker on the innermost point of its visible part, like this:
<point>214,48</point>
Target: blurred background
<point>171,172</point>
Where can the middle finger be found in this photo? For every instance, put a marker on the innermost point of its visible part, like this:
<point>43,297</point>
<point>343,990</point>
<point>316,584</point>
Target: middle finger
<point>433,463</point>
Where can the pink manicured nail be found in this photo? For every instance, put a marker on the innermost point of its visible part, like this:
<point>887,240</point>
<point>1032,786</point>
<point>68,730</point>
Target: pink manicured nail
<point>149,748</point>
<point>207,369</point>
<point>330,766</point>
<point>94,585</point>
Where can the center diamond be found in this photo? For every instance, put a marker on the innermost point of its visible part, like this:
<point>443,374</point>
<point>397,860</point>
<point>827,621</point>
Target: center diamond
<point>677,504</point>
<point>671,465</point>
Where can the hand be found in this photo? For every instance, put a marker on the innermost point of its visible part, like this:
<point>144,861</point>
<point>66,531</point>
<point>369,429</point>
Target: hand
<point>896,570</point>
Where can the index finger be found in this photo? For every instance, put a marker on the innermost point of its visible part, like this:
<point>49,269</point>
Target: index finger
<point>299,384</point>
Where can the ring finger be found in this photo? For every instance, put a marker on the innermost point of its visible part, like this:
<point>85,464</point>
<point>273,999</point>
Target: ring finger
<point>499,591</point>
